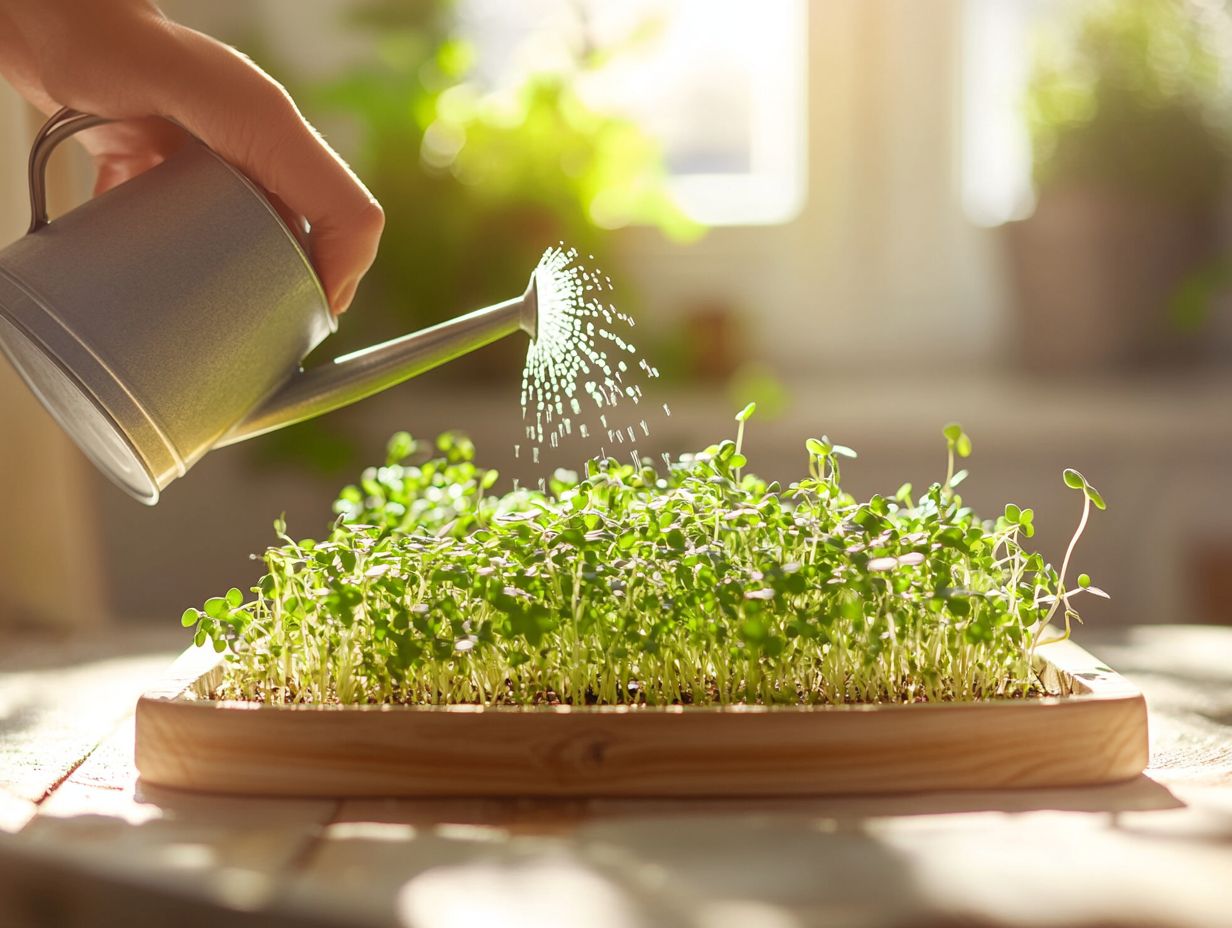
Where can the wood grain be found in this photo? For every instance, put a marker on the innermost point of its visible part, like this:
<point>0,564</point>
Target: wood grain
<point>41,887</point>
<point>58,699</point>
<point>143,855</point>
<point>1097,735</point>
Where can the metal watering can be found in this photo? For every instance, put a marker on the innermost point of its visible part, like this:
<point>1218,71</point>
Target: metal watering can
<point>169,316</point>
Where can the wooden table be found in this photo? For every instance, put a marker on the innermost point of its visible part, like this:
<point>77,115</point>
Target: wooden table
<point>83,842</point>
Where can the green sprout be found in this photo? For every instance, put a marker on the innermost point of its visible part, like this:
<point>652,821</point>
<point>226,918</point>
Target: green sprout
<point>625,583</point>
<point>956,443</point>
<point>1090,497</point>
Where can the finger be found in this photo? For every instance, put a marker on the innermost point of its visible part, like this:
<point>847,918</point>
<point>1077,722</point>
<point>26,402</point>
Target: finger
<point>245,116</point>
<point>134,137</point>
<point>124,149</point>
<point>293,221</point>
<point>115,171</point>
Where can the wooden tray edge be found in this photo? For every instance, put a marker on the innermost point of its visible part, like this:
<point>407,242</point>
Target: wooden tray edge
<point>1098,735</point>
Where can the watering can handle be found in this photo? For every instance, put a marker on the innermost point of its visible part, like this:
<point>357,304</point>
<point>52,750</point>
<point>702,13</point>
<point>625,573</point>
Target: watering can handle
<point>62,124</point>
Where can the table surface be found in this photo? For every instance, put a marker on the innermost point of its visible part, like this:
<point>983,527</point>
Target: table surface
<point>82,841</point>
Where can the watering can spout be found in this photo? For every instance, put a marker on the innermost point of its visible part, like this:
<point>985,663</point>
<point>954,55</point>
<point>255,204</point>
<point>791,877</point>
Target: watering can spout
<point>353,377</point>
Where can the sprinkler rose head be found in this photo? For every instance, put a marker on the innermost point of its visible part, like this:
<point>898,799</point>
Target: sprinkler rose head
<point>529,320</point>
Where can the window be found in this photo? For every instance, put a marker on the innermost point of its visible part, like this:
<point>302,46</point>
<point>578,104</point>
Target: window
<point>996,150</point>
<point>719,83</point>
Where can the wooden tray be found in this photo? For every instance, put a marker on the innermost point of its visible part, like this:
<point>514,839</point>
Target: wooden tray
<point>1096,733</point>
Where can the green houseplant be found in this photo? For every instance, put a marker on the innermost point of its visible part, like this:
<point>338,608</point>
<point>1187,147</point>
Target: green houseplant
<point>694,584</point>
<point>1126,108</point>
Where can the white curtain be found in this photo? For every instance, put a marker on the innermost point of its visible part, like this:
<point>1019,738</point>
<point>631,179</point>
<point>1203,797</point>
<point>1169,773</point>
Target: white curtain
<point>50,568</point>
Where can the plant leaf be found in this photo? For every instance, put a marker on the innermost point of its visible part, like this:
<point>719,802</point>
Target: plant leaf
<point>1094,496</point>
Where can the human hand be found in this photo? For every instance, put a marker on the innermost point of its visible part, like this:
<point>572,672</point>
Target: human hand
<point>124,60</point>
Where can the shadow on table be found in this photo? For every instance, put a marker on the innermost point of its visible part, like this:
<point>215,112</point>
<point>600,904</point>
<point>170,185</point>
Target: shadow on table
<point>553,816</point>
<point>545,816</point>
<point>430,863</point>
<point>1141,794</point>
<point>859,860</point>
<point>448,862</point>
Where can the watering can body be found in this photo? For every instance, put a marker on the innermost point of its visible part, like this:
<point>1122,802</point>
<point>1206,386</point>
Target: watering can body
<point>171,314</point>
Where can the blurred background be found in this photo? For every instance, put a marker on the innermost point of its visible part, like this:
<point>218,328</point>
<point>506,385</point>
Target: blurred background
<point>871,217</point>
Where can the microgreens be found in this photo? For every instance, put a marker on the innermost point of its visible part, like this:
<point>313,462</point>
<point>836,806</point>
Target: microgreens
<point>698,583</point>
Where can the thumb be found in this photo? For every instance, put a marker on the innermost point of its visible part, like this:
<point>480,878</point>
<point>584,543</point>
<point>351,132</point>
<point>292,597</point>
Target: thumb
<point>249,119</point>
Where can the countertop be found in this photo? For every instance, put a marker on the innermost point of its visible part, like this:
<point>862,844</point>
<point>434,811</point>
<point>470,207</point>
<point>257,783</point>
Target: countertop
<point>82,841</point>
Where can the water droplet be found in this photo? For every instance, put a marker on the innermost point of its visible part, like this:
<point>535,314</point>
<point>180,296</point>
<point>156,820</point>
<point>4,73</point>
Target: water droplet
<point>576,338</point>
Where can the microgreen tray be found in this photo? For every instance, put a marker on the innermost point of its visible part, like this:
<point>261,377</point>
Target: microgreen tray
<point>1094,731</point>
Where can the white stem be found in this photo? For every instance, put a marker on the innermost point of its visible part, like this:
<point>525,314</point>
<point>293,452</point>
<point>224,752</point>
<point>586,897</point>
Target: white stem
<point>1061,594</point>
<point>1082,524</point>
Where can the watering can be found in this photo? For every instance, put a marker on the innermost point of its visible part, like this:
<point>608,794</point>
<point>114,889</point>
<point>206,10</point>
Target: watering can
<point>170,316</point>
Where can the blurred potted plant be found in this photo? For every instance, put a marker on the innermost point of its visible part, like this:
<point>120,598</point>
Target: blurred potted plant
<point>476,180</point>
<point>1127,110</point>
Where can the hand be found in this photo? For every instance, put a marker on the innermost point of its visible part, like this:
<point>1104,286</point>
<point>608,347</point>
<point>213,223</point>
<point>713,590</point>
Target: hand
<point>124,60</point>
